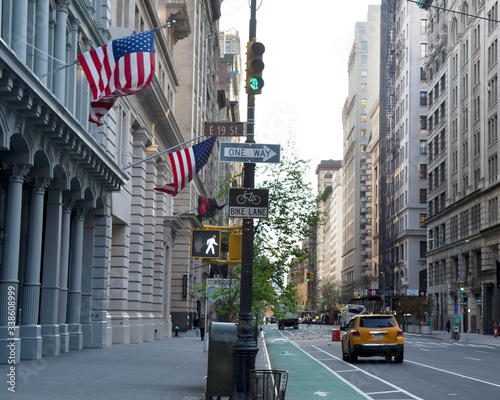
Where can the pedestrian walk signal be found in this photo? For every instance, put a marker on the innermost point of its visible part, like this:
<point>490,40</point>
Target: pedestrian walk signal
<point>205,243</point>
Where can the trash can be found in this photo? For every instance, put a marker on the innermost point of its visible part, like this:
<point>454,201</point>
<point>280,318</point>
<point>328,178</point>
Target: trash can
<point>220,358</point>
<point>268,384</point>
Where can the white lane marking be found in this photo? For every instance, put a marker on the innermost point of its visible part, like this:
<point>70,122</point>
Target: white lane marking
<point>385,392</point>
<point>398,389</point>
<point>475,359</point>
<point>425,349</point>
<point>453,373</point>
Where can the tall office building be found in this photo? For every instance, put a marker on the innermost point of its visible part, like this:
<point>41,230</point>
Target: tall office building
<point>363,70</point>
<point>463,191</point>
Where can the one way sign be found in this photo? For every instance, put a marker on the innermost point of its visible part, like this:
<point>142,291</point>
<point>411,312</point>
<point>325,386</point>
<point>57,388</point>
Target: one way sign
<point>250,152</point>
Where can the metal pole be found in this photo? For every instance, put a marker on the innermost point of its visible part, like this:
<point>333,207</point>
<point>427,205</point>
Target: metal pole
<point>462,318</point>
<point>245,349</point>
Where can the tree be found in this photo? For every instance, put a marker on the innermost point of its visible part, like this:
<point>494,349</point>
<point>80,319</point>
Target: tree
<point>277,252</point>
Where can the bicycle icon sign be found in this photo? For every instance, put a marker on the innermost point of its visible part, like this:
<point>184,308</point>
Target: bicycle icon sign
<point>248,196</point>
<point>248,203</point>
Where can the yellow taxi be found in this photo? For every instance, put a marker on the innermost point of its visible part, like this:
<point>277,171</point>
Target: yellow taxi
<point>371,336</point>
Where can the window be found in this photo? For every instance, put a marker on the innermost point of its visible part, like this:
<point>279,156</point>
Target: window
<point>364,45</point>
<point>363,118</point>
<point>423,196</point>
<point>492,130</point>
<point>493,167</point>
<point>423,98</point>
<point>423,50</point>
<point>362,133</point>
<point>423,26</point>
<point>493,53</point>
<point>492,15</point>
<point>492,91</point>
<point>361,30</point>
<point>423,75</point>
<point>493,210</point>
<point>364,59</point>
<point>364,73</point>
<point>423,147</point>
<point>423,124</point>
<point>422,168</point>
<point>362,148</point>
<point>227,47</point>
<point>423,218</point>
<point>364,87</point>
<point>362,103</point>
<point>423,249</point>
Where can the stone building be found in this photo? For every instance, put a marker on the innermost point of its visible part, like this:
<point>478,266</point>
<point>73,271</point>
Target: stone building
<point>91,254</point>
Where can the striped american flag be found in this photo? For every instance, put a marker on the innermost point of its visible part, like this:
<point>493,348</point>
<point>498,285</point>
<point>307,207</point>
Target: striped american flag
<point>186,163</point>
<point>124,66</point>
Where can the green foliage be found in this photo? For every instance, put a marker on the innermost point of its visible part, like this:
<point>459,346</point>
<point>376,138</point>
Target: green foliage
<point>293,214</point>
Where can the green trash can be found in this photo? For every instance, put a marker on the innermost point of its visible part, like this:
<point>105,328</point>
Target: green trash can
<point>221,339</point>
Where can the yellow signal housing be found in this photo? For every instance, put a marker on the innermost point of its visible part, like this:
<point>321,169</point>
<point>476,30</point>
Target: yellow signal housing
<point>235,242</point>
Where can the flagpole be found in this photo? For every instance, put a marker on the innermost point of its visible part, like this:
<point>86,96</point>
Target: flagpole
<point>167,25</point>
<point>161,152</point>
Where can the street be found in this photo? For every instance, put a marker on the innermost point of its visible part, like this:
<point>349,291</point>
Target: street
<point>434,368</point>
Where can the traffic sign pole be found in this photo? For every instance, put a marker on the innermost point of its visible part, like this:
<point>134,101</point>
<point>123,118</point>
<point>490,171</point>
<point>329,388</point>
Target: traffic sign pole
<point>245,349</point>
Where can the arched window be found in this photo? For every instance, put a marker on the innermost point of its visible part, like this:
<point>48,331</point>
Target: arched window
<point>465,17</point>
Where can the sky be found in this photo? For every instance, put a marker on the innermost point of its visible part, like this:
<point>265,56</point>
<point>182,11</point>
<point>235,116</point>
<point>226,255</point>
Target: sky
<point>307,48</point>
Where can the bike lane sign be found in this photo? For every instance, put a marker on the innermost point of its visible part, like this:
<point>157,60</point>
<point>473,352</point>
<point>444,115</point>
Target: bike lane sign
<point>248,203</point>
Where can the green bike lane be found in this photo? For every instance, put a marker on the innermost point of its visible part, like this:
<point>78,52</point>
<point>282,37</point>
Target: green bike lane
<point>307,377</point>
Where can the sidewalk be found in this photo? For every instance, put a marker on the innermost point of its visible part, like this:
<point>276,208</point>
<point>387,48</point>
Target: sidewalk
<point>472,338</point>
<point>169,369</point>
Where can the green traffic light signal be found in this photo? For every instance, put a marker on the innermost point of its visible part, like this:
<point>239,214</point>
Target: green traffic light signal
<point>255,66</point>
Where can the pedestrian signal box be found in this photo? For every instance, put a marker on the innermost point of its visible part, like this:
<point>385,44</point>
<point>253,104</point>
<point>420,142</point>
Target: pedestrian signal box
<point>205,243</point>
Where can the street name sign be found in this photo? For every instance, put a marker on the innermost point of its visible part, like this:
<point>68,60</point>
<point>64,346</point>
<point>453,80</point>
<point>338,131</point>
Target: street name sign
<point>228,129</point>
<point>248,203</point>
<point>250,152</point>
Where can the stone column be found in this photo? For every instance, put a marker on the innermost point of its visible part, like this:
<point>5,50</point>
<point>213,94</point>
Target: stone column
<point>42,39</point>
<point>10,346</point>
<point>68,205</point>
<point>87,266</point>
<point>75,281</point>
<point>30,331</point>
<point>49,301</point>
<point>60,40</point>
<point>20,28</point>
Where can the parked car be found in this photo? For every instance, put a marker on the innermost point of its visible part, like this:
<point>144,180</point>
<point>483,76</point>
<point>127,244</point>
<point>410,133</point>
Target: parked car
<point>371,336</point>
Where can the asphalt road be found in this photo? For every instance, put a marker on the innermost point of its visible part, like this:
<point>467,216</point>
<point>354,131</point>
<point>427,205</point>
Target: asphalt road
<point>432,369</point>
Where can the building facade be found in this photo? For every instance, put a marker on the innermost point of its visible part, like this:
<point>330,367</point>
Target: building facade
<point>363,70</point>
<point>89,251</point>
<point>463,174</point>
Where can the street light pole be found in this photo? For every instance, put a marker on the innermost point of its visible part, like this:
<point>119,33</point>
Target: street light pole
<point>383,301</point>
<point>460,249</point>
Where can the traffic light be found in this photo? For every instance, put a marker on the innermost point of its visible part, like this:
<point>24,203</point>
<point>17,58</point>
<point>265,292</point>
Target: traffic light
<point>205,243</point>
<point>235,241</point>
<point>358,295</point>
<point>462,286</point>
<point>255,66</point>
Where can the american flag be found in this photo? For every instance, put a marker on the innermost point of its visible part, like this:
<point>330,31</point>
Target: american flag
<point>186,164</point>
<point>124,66</point>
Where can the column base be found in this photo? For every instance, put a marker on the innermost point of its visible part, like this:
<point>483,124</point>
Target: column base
<point>87,336</point>
<point>120,325</point>
<point>75,337</point>
<point>63,332</point>
<point>10,346</point>
<point>31,338</point>
<point>51,340</point>
<point>99,334</point>
<point>136,329</point>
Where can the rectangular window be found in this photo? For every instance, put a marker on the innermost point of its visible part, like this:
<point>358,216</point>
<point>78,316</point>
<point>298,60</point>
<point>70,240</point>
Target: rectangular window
<point>364,59</point>
<point>364,73</point>
<point>364,45</point>
<point>362,103</point>
<point>423,98</point>
<point>423,50</point>
<point>363,133</point>
<point>423,75</point>
<point>492,130</point>
<point>423,124</point>
<point>423,249</point>
<point>363,118</point>
<point>423,218</point>
<point>364,87</point>
<point>423,26</point>
<point>423,196</point>
<point>493,211</point>
<point>422,168</point>
<point>423,147</point>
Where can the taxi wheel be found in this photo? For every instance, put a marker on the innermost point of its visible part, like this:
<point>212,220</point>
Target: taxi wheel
<point>387,358</point>
<point>344,357</point>
<point>352,358</point>
<point>399,358</point>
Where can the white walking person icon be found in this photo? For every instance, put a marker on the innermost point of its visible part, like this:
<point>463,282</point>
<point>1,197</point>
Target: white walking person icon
<point>210,244</point>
